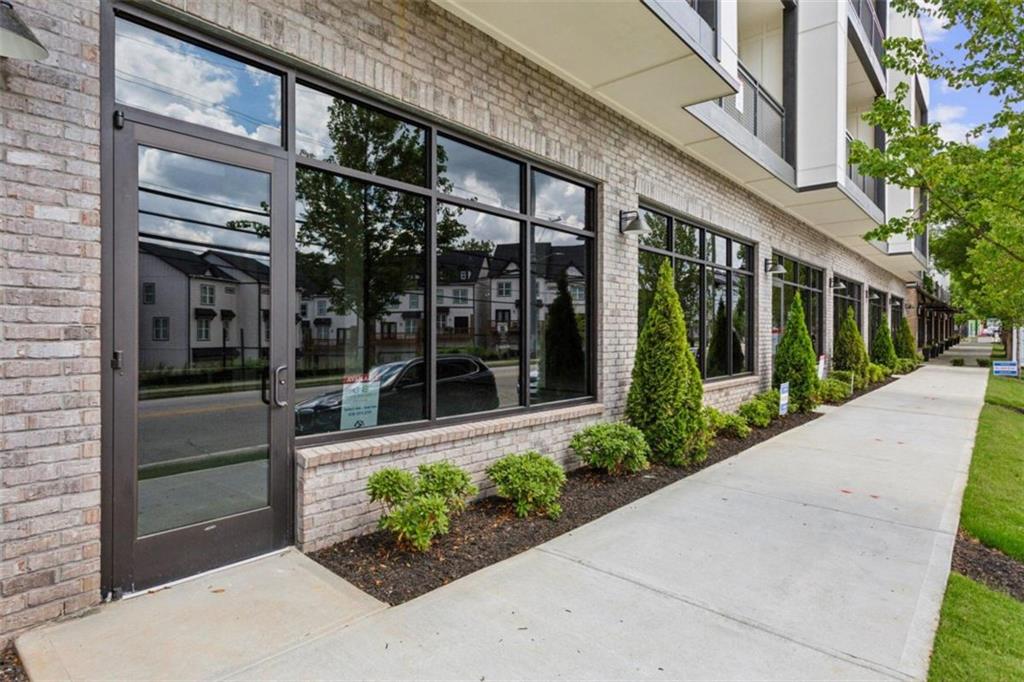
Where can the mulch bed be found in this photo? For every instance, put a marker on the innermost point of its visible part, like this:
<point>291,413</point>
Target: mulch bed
<point>988,566</point>
<point>487,531</point>
<point>10,666</point>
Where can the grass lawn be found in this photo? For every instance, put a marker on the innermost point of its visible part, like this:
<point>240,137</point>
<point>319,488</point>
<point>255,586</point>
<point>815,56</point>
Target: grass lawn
<point>981,635</point>
<point>993,509</point>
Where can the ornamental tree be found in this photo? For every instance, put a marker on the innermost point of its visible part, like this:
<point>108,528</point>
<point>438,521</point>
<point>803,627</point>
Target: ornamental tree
<point>666,395</point>
<point>883,352</point>
<point>795,361</point>
<point>850,354</point>
<point>975,186</point>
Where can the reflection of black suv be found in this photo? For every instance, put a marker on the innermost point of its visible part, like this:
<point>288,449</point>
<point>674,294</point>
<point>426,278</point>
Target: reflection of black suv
<point>464,384</point>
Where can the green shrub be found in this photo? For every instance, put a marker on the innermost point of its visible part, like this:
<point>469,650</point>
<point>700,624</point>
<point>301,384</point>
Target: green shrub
<point>531,481</point>
<point>957,362</point>
<point>834,391</point>
<point>756,413</point>
<point>905,365</point>
<point>725,424</point>
<point>666,394</point>
<point>616,448</point>
<point>418,520</point>
<point>448,481</point>
<point>984,362</point>
<point>876,373</point>
<point>850,353</point>
<point>842,375</point>
<point>770,398</point>
<point>796,362</point>
<point>882,350</point>
<point>903,342</point>
<point>391,487</point>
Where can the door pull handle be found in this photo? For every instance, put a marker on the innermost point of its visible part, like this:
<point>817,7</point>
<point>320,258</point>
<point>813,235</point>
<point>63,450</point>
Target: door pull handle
<point>279,383</point>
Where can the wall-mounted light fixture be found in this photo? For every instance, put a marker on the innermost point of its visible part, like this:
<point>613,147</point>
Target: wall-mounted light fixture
<point>773,268</point>
<point>16,39</point>
<point>835,285</point>
<point>875,296</point>
<point>629,221</point>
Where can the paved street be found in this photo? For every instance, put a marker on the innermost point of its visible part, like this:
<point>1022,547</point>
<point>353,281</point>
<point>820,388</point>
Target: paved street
<point>820,554</point>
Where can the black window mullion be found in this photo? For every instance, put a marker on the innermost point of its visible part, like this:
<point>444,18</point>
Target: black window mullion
<point>730,370</point>
<point>430,304</point>
<point>526,294</point>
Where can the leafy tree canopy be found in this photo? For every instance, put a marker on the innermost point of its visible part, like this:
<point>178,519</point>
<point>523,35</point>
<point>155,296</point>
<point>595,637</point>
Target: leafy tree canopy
<point>975,187</point>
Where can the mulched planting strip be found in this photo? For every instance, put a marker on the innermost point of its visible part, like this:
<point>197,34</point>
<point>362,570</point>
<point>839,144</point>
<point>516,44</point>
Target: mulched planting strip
<point>988,566</point>
<point>487,531</point>
<point>10,666</point>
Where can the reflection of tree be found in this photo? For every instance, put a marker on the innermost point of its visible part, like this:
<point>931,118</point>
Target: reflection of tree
<point>718,344</point>
<point>564,358</point>
<point>362,245</point>
<point>688,278</point>
<point>649,263</point>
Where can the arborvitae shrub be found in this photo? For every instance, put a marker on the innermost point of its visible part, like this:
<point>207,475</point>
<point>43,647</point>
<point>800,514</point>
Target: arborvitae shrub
<point>795,361</point>
<point>666,395</point>
<point>882,350</point>
<point>903,344</point>
<point>850,353</point>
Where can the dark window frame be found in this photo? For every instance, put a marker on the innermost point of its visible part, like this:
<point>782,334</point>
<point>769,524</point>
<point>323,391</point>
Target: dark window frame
<point>857,300</point>
<point>706,266</point>
<point>166,328</point>
<point>781,283</point>
<point>875,308</point>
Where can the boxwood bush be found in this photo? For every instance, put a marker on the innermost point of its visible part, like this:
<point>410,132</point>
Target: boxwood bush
<point>984,362</point>
<point>725,424</point>
<point>755,412</point>
<point>876,373</point>
<point>666,394</point>
<point>842,375</point>
<point>617,448</point>
<point>531,481</point>
<point>448,481</point>
<point>834,391</point>
<point>418,520</point>
<point>957,362</point>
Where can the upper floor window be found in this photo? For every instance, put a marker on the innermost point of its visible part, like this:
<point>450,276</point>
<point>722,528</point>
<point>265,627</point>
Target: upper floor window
<point>148,293</point>
<point>715,285</point>
<point>203,329</point>
<point>207,294</point>
<point>505,289</point>
<point>177,78</point>
<point>161,328</point>
<point>321,307</point>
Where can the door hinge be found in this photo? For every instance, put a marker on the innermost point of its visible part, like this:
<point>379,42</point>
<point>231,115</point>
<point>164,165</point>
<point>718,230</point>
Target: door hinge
<point>117,360</point>
<point>119,119</point>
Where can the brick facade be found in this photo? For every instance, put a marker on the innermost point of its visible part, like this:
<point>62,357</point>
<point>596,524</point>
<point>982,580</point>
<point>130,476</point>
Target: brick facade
<point>413,54</point>
<point>49,320</point>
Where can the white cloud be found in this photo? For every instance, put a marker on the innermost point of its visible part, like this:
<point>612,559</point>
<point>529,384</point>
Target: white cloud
<point>933,29</point>
<point>951,126</point>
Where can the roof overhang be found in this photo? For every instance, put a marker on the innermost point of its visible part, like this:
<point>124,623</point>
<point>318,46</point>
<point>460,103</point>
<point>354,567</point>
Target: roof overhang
<point>617,52</point>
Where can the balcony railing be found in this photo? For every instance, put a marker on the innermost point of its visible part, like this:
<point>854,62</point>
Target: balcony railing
<point>865,11</point>
<point>873,187</point>
<point>760,113</point>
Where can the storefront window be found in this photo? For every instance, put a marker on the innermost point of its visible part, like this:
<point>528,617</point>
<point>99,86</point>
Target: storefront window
<point>807,280</point>
<point>876,315</point>
<point>716,293</point>
<point>846,295</point>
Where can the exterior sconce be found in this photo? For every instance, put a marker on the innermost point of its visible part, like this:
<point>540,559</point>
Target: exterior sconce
<point>629,221</point>
<point>772,268</point>
<point>16,39</point>
<point>836,286</point>
<point>875,297</point>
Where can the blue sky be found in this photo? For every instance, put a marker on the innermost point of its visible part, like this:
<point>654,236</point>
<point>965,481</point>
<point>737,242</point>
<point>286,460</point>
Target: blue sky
<point>957,110</point>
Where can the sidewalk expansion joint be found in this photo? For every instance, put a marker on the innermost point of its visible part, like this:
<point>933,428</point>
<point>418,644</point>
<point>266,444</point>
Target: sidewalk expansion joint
<point>853,659</point>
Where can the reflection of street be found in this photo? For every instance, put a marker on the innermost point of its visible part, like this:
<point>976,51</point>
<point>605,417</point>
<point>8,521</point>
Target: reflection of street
<point>187,426</point>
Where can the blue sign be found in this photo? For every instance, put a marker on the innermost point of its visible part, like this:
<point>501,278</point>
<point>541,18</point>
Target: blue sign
<point>1004,368</point>
<point>784,399</point>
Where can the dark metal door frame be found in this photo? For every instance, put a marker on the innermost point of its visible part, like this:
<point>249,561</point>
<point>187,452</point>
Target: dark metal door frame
<point>138,563</point>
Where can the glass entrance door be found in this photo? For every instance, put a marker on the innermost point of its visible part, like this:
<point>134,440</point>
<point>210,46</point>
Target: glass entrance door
<point>201,377</point>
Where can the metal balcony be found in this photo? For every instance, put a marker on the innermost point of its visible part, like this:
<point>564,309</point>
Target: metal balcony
<point>759,112</point>
<point>872,187</point>
<point>865,11</point>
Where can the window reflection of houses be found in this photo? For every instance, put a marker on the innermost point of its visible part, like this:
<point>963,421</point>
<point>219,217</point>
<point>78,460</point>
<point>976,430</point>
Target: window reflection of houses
<point>200,308</point>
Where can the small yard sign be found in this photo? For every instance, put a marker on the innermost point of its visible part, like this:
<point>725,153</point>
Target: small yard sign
<point>784,399</point>
<point>1004,368</point>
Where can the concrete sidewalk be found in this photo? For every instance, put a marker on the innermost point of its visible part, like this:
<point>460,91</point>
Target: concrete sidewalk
<point>820,554</point>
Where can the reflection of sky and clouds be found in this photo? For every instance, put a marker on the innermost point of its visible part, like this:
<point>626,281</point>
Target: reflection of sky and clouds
<point>168,76</point>
<point>559,201</point>
<point>476,175</point>
<point>480,226</point>
<point>191,201</point>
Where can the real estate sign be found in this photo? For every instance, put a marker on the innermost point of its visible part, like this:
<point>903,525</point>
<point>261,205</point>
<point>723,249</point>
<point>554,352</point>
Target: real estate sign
<point>1004,368</point>
<point>784,399</point>
<point>359,404</point>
